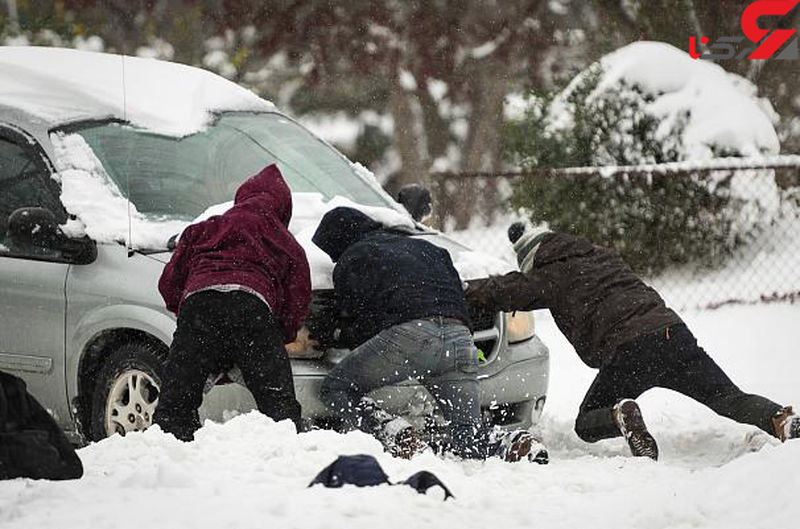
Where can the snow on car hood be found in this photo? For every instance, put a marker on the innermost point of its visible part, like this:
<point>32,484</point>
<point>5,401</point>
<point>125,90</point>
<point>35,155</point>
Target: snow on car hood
<point>64,85</point>
<point>309,208</point>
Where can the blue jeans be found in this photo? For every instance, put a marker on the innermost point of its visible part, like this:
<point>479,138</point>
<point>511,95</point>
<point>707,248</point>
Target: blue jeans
<point>439,354</point>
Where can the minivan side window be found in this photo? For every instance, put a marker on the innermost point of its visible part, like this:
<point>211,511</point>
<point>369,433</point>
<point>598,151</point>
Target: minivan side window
<point>23,184</point>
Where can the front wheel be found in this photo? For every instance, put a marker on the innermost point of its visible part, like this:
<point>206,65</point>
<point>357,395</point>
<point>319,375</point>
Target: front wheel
<point>127,390</point>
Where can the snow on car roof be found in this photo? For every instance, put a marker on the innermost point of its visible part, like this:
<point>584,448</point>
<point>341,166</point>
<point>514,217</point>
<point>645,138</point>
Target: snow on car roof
<point>63,85</point>
<point>60,86</point>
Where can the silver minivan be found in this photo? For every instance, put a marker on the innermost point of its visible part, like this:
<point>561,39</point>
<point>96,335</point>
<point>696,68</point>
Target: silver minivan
<point>81,319</point>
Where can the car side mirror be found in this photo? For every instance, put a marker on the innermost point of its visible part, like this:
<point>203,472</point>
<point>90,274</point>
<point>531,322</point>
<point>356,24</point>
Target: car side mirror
<point>417,201</point>
<point>38,227</point>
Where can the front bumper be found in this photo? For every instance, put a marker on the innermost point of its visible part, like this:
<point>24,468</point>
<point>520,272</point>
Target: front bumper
<point>513,390</point>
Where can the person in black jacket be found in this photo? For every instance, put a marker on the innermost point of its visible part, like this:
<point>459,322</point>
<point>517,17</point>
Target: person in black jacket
<point>622,327</point>
<point>31,443</point>
<point>402,308</point>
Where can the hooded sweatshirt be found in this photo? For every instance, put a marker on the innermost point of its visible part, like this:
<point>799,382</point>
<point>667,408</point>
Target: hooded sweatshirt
<point>383,278</point>
<point>595,298</point>
<point>248,246</point>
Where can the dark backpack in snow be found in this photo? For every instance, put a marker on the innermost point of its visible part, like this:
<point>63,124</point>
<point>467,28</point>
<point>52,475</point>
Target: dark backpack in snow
<point>365,471</point>
<point>31,443</point>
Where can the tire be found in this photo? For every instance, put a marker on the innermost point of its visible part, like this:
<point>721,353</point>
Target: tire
<point>127,389</point>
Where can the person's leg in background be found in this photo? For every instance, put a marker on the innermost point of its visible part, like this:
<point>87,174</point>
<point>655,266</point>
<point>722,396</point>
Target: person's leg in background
<point>193,355</point>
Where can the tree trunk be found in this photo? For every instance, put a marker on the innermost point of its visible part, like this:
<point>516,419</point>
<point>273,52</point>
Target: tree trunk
<point>13,16</point>
<point>482,148</point>
<point>695,23</point>
<point>408,138</point>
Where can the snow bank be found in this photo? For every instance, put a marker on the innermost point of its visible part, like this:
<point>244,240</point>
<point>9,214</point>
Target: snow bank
<point>649,102</point>
<point>252,472</point>
<point>753,344</point>
<point>722,109</point>
<point>61,85</point>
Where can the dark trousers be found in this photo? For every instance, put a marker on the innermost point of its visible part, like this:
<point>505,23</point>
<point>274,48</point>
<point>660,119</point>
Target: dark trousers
<point>671,359</point>
<point>217,330</point>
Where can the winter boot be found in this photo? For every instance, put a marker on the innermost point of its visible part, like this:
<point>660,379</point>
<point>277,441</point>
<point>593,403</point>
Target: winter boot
<point>628,418</point>
<point>519,444</point>
<point>786,424</point>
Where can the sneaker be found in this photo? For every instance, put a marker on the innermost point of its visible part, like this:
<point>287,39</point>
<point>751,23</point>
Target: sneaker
<point>515,446</point>
<point>378,414</point>
<point>786,424</point>
<point>628,418</point>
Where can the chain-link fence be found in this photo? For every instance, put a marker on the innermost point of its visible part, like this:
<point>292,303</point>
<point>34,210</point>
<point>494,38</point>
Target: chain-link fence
<point>704,236</point>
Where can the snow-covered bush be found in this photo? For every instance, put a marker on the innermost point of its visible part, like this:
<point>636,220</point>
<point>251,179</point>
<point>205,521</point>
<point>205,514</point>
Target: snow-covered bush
<point>649,103</point>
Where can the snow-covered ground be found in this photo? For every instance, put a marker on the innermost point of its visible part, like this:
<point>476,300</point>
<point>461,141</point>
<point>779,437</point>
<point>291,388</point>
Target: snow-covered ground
<point>251,472</point>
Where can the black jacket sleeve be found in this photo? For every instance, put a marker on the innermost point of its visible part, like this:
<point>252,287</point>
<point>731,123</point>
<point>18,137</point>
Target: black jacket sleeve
<point>356,279</point>
<point>511,292</point>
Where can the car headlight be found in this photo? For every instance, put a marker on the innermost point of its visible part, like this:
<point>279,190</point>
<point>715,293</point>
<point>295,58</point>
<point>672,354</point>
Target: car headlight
<point>519,326</point>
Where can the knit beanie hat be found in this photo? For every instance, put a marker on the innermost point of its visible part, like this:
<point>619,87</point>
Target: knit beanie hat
<point>526,240</point>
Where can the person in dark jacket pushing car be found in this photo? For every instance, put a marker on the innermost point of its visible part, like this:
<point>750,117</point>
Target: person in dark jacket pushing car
<point>403,310</point>
<point>622,327</point>
<point>240,285</point>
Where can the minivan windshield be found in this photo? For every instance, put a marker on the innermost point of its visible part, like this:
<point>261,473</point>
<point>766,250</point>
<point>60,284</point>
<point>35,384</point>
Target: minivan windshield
<point>180,177</point>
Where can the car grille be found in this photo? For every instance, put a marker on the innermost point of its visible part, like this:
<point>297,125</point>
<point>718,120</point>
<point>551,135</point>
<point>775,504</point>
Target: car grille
<point>482,319</point>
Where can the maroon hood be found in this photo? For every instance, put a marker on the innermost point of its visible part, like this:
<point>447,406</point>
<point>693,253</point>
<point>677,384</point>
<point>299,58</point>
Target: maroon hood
<point>268,193</point>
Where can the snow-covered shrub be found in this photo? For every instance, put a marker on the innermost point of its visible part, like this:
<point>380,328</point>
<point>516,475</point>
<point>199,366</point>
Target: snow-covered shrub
<point>649,103</point>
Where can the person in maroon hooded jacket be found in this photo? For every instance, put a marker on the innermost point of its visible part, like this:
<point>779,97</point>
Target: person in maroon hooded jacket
<point>240,285</point>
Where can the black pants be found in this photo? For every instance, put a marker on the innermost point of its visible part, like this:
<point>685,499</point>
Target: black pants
<point>217,330</point>
<point>669,359</point>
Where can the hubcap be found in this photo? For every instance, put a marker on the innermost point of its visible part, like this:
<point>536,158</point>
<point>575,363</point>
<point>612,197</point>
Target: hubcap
<point>131,403</point>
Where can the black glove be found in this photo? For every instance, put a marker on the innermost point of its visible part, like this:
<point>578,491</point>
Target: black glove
<point>477,294</point>
<point>323,321</point>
